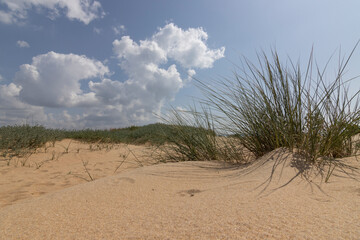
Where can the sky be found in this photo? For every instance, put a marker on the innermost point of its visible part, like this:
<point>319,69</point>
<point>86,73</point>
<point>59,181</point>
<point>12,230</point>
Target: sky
<point>100,64</point>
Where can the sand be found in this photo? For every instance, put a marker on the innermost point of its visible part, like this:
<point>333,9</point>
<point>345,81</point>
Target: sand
<point>188,200</point>
<point>61,165</point>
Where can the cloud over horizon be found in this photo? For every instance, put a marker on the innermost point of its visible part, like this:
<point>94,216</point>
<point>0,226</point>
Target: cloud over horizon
<point>14,111</point>
<point>56,82</point>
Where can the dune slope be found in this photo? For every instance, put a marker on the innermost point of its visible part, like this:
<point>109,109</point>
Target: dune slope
<point>195,200</point>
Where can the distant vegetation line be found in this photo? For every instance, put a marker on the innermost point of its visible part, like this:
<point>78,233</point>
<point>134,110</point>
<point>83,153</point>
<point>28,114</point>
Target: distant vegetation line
<point>26,136</point>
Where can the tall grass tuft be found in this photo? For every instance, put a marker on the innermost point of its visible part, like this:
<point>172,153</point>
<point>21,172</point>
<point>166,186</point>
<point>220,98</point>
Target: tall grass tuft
<point>194,138</point>
<point>272,105</point>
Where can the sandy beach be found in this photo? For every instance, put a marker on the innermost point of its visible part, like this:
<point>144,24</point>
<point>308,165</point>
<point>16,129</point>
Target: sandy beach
<point>61,165</point>
<point>186,200</point>
<point>188,120</point>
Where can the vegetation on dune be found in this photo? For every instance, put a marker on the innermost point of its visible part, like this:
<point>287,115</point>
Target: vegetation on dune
<point>264,107</point>
<point>22,140</point>
<point>33,136</point>
<point>19,140</point>
<point>152,133</point>
<point>196,138</point>
<point>272,105</point>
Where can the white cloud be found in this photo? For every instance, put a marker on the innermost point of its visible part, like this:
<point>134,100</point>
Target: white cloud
<point>8,93</point>
<point>81,10</point>
<point>118,30</point>
<point>7,17</point>
<point>187,47</point>
<point>53,80</point>
<point>1,78</point>
<point>58,81</point>
<point>13,111</point>
<point>138,98</point>
<point>190,73</point>
<point>22,44</point>
<point>150,84</point>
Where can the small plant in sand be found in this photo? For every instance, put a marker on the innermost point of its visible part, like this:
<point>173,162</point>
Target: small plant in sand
<point>124,157</point>
<point>25,158</point>
<point>85,163</point>
<point>86,170</point>
<point>48,145</point>
<point>66,148</point>
<point>137,160</point>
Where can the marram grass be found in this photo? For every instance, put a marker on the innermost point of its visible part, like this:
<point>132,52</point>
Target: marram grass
<point>271,105</point>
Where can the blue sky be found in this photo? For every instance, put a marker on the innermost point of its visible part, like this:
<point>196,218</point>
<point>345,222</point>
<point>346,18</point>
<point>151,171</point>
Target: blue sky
<point>102,64</point>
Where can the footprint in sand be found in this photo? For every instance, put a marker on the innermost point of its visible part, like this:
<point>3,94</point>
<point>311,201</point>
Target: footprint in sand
<point>120,179</point>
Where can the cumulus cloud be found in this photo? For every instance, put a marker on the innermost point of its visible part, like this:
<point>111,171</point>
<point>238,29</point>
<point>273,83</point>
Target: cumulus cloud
<point>53,80</point>
<point>81,90</point>
<point>188,47</point>
<point>81,10</point>
<point>138,98</point>
<point>150,81</point>
<point>13,111</point>
<point>22,44</point>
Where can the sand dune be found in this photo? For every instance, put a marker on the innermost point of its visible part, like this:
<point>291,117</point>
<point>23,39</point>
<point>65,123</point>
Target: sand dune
<point>195,200</point>
<point>60,166</point>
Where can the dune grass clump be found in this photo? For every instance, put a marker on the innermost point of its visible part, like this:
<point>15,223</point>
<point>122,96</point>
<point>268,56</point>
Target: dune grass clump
<point>271,105</point>
<point>195,138</point>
